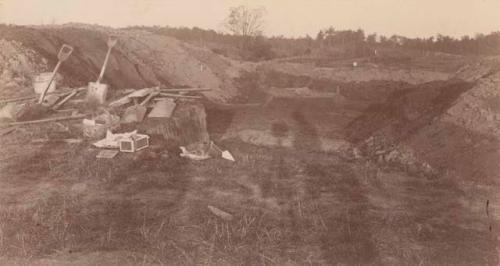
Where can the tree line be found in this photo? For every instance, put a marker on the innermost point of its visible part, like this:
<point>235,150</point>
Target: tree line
<point>330,41</point>
<point>245,40</point>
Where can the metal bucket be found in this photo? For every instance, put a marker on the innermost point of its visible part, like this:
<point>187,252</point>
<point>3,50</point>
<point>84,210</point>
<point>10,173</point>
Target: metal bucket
<point>41,81</point>
<point>97,92</point>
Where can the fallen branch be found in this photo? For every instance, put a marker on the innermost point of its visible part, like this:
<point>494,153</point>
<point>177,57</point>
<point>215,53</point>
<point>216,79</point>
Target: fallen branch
<point>41,121</point>
<point>63,101</point>
<point>179,96</point>
<point>25,98</point>
<point>185,90</point>
<point>69,141</point>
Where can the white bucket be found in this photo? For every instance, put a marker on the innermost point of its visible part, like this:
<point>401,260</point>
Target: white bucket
<point>41,82</point>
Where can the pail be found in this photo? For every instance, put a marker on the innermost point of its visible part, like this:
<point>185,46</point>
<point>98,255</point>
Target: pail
<point>41,81</point>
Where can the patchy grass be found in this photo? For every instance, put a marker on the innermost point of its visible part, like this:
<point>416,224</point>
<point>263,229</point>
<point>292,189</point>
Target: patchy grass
<point>298,208</point>
<point>290,206</point>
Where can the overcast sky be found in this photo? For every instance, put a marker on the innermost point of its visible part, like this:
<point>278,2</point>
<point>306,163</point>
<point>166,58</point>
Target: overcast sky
<point>412,18</point>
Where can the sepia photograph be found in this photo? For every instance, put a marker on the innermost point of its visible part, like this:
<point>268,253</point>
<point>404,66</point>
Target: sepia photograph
<point>249,132</point>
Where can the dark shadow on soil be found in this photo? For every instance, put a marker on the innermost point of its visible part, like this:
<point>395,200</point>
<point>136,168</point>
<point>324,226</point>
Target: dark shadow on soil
<point>348,237</point>
<point>306,138</point>
<point>219,120</point>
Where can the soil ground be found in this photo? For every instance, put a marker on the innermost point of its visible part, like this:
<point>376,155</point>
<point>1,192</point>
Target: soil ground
<point>294,205</point>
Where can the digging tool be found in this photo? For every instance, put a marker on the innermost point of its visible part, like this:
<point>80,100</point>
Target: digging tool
<point>137,112</point>
<point>34,111</point>
<point>97,92</point>
<point>224,153</point>
<point>63,54</point>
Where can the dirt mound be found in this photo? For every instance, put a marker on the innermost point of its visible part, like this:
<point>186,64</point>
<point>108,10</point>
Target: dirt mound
<point>140,59</point>
<point>17,65</point>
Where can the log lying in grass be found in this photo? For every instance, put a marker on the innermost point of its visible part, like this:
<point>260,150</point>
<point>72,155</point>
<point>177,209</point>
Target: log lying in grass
<point>41,121</point>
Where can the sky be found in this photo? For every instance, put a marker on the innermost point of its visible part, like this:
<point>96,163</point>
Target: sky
<point>292,18</point>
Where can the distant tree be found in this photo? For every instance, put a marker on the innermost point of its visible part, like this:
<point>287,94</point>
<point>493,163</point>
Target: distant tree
<point>246,22</point>
<point>372,38</point>
<point>320,36</point>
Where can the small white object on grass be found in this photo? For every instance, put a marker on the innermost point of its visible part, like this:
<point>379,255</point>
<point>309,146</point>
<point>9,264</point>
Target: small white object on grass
<point>228,156</point>
<point>220,213</point>
<point>107,154</point>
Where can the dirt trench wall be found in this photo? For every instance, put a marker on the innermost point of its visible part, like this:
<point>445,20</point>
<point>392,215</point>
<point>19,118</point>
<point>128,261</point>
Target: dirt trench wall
<point>407,111</point>
<point>451,128</point>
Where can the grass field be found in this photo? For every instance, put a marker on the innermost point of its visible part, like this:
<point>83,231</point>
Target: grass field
<point>290,206</point>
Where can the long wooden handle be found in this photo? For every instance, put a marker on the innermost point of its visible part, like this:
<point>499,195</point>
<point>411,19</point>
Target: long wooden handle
<point>186,90</point>
<point>151,95</point>
<point>47,120</point>
<point>179,96</point>
<point>63,101</point>
<point>103,68</point>
<point>42,96</point>
<point>20,99</point>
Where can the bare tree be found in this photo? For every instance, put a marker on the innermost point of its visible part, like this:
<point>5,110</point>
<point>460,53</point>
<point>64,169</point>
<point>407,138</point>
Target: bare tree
<point>245,22</point>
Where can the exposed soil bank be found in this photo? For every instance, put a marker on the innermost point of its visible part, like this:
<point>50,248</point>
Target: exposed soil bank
<point>139,60</point>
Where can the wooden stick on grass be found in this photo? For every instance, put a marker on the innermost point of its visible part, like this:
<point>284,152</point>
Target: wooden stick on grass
<point>25,98</point>
<point>179,96</point>
<point>41,121</point>
<point>186,90</point>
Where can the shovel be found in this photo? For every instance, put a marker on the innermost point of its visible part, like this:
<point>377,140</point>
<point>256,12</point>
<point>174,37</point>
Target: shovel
<point>223,153</point>
<point>97,92</point>
<point>35,111</point>
<point>137,112</point>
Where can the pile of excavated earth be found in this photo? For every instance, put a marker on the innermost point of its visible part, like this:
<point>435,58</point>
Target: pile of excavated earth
<point>140,59</point>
